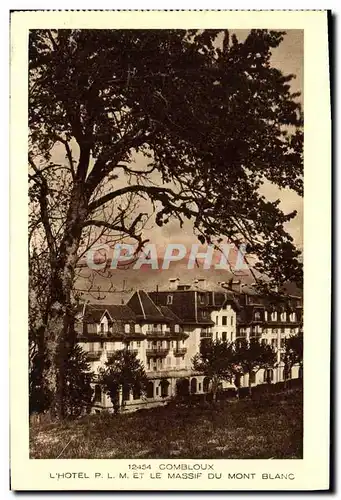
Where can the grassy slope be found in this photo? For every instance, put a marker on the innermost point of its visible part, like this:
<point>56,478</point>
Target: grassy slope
<point>266,428</point>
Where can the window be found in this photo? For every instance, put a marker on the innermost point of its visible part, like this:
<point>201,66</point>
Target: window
<point>231,320</point>
<point>138,343</point>
<point>268,376</point>
<point>150,390</point>
<point>157,390</point>
<point>164,388</point>
<point>293,317</point>
<point>202,298</point>
<point>125,393</point>
<point>102,327</point>
<point>127,328</point>
<point>224,320</point>
<point>274,330</point>
<point>169,300</point>
<point>136,393</point>
<point>224,336</point>
<point>274,343</point>
<point>274,316</point>
<point>176,328</point>
<point>252,378</point>
<point>204,314</point>
<point>98,394</point>
<point>257,315</point>
<point>206,384</point>
<point>282,330</point>
<point>265,315</point>
<point>217,320</point>
<point>283,316</point>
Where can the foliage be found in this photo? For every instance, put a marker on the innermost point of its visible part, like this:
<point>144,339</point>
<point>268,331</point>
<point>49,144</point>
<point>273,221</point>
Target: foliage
<point>123,373</point>
<point>216,361</point>
<point>210,114</point>
<point>78,393</point>
<point>252,355</point>
<point>39,394</point>
<point>212,121</point>
<point>293,352</point>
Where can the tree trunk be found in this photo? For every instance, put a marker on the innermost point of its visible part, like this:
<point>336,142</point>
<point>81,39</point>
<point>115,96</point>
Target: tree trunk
<point>215,385</point>
<point>59,333</point>
<point>250,385</point>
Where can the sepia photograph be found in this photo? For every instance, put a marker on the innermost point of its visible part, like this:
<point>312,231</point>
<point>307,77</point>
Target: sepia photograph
<point>166,238</point>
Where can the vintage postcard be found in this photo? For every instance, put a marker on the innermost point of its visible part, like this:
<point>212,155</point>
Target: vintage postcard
<point>163,282</point>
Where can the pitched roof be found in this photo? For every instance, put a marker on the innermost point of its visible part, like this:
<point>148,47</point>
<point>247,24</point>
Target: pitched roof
<point>121,312</point>
<point>166,311</point>
<point>144,307</point>
<point>183,303</point>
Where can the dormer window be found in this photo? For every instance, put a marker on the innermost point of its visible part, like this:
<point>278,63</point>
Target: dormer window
<point>274,316</point>
<point>102,328</point>
<point>283,316</point>
<point>176,328</point>
<point>293,316</point>
<point>169,300</point>
<point>127,328</point>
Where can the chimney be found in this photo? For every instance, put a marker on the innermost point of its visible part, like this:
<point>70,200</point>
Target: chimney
<point>201,283</point>
<point>173,283</point>
<point>235,285</point>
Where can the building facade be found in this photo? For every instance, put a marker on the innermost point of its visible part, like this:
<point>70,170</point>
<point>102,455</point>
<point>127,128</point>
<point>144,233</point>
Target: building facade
<point>166,328</point>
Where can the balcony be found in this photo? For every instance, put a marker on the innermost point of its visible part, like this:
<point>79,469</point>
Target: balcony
<point>181,351</point>
<point>157,333</point>
<point>157,352</point>
<point>93,355</point>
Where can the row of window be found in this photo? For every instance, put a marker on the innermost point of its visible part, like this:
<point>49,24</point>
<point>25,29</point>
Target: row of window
<point>224,336</point>
<point>224,321</point>
<point>259,329</point>
<point>274,315</point>
<point>157,364</point>
<point>166,344</point>
<point>104,328</point>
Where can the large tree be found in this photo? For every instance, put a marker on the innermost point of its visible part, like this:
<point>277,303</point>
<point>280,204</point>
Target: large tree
<point>213,119</point>
<point>292,354</point>
<point>216,361</point>
<point>122,374</point>
<point>250,355</point>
